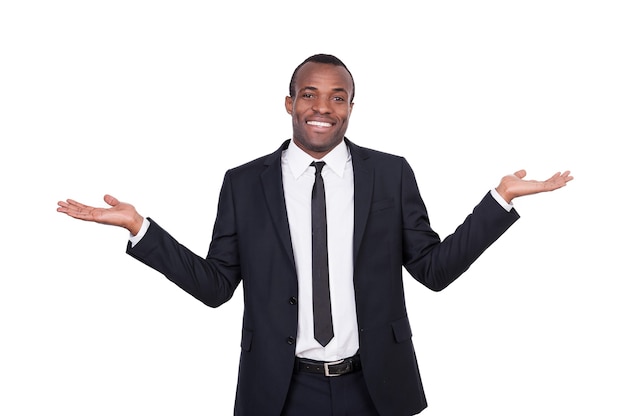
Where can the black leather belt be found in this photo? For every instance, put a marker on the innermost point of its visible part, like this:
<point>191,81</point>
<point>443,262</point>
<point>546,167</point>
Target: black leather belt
<point>329,369</point>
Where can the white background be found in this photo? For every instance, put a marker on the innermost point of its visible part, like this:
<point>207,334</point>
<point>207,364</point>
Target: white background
<point>152,101</point>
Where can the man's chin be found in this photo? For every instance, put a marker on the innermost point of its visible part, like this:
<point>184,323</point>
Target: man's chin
<point>325,148</point>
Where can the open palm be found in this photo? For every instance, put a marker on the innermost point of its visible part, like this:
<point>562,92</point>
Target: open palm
<point>120,214</point>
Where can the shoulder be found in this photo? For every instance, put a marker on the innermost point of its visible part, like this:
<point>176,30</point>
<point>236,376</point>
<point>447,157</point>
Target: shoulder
<point>372,156</point>
<point>259,164</point>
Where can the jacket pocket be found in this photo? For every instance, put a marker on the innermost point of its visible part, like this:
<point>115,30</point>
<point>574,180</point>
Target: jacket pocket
<point>246,340</point>
<point>402,330</point>
<point>381,204</point>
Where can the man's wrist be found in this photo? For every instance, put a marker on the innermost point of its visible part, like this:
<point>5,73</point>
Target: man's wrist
<point>135,225</point>
<point>135,238</point>
<point>500,199</point>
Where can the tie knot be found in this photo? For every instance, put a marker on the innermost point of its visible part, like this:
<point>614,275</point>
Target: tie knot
<point>318,167</point>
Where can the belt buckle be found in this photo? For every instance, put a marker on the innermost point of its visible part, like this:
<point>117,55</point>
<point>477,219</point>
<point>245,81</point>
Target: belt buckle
<point>327,368</point>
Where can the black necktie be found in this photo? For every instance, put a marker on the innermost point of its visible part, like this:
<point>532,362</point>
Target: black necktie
<point>322,319</point>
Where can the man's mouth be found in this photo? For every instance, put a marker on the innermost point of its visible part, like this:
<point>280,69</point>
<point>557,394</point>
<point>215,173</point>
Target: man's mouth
<point>319,124</point>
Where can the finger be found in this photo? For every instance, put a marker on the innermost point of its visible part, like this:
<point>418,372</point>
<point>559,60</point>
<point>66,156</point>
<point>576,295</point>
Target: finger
<point>74,213</point>
<point>558,180</point>
<point>76,204</point>
<point>554,177</point>
<point>520,173</point>
<point>64,207</point>
<point>111,200</point>
<point>567,176</point>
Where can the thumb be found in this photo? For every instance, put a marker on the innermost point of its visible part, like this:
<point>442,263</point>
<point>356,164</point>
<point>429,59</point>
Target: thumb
<point>520,173</point>
<point>111,200</point>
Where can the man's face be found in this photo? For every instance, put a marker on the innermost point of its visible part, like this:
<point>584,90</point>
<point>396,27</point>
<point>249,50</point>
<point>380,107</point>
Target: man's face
<point>320,108</point>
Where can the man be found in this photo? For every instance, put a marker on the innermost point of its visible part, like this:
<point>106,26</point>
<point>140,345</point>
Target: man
<point>362,362</point>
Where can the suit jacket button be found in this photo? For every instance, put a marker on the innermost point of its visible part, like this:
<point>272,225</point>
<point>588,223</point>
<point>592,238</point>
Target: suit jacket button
<point>293,300</point>
<point>291,340</point>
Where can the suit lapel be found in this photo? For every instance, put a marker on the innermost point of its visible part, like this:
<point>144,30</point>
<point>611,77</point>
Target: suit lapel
<point>363,188</point>
<point>272,180</point>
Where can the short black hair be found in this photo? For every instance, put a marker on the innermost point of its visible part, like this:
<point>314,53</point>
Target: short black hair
<point>320,58</point>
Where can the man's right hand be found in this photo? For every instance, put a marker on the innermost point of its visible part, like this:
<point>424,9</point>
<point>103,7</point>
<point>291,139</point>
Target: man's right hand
<point>120,214</point>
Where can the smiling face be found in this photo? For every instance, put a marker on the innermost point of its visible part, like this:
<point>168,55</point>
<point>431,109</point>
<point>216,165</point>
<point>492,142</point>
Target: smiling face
<point>320,107</point>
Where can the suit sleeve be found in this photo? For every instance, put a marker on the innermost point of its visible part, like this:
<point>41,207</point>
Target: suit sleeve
<point>213,279</point>
<point>437,263</point>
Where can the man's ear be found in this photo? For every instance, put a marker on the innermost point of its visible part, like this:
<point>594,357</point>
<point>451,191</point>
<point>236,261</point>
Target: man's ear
<point>288,104</point>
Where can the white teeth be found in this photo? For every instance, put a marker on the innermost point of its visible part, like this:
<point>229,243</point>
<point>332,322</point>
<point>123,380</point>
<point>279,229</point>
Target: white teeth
<point>318,123</point>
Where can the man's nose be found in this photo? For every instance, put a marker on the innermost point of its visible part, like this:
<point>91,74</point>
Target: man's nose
<point>321,105</point>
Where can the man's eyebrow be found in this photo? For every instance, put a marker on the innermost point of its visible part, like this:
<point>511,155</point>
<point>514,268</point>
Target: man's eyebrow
<point>312,88</point>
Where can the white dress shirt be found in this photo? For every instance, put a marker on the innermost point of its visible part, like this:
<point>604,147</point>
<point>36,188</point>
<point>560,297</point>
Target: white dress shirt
<point>298,178</point>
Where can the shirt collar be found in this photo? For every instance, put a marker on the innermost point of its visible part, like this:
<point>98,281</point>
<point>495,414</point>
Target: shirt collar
<point>299,161</point>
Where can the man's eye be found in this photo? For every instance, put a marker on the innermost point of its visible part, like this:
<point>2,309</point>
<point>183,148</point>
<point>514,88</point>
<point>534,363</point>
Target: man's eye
<point>338,99</point>
<point>307,95</point>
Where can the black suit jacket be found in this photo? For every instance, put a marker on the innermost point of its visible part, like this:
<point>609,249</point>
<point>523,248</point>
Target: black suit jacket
<point>251,244</point>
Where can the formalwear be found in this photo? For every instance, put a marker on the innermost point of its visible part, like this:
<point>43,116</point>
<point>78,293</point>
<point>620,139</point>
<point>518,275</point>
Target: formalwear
<point>251,245</point>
